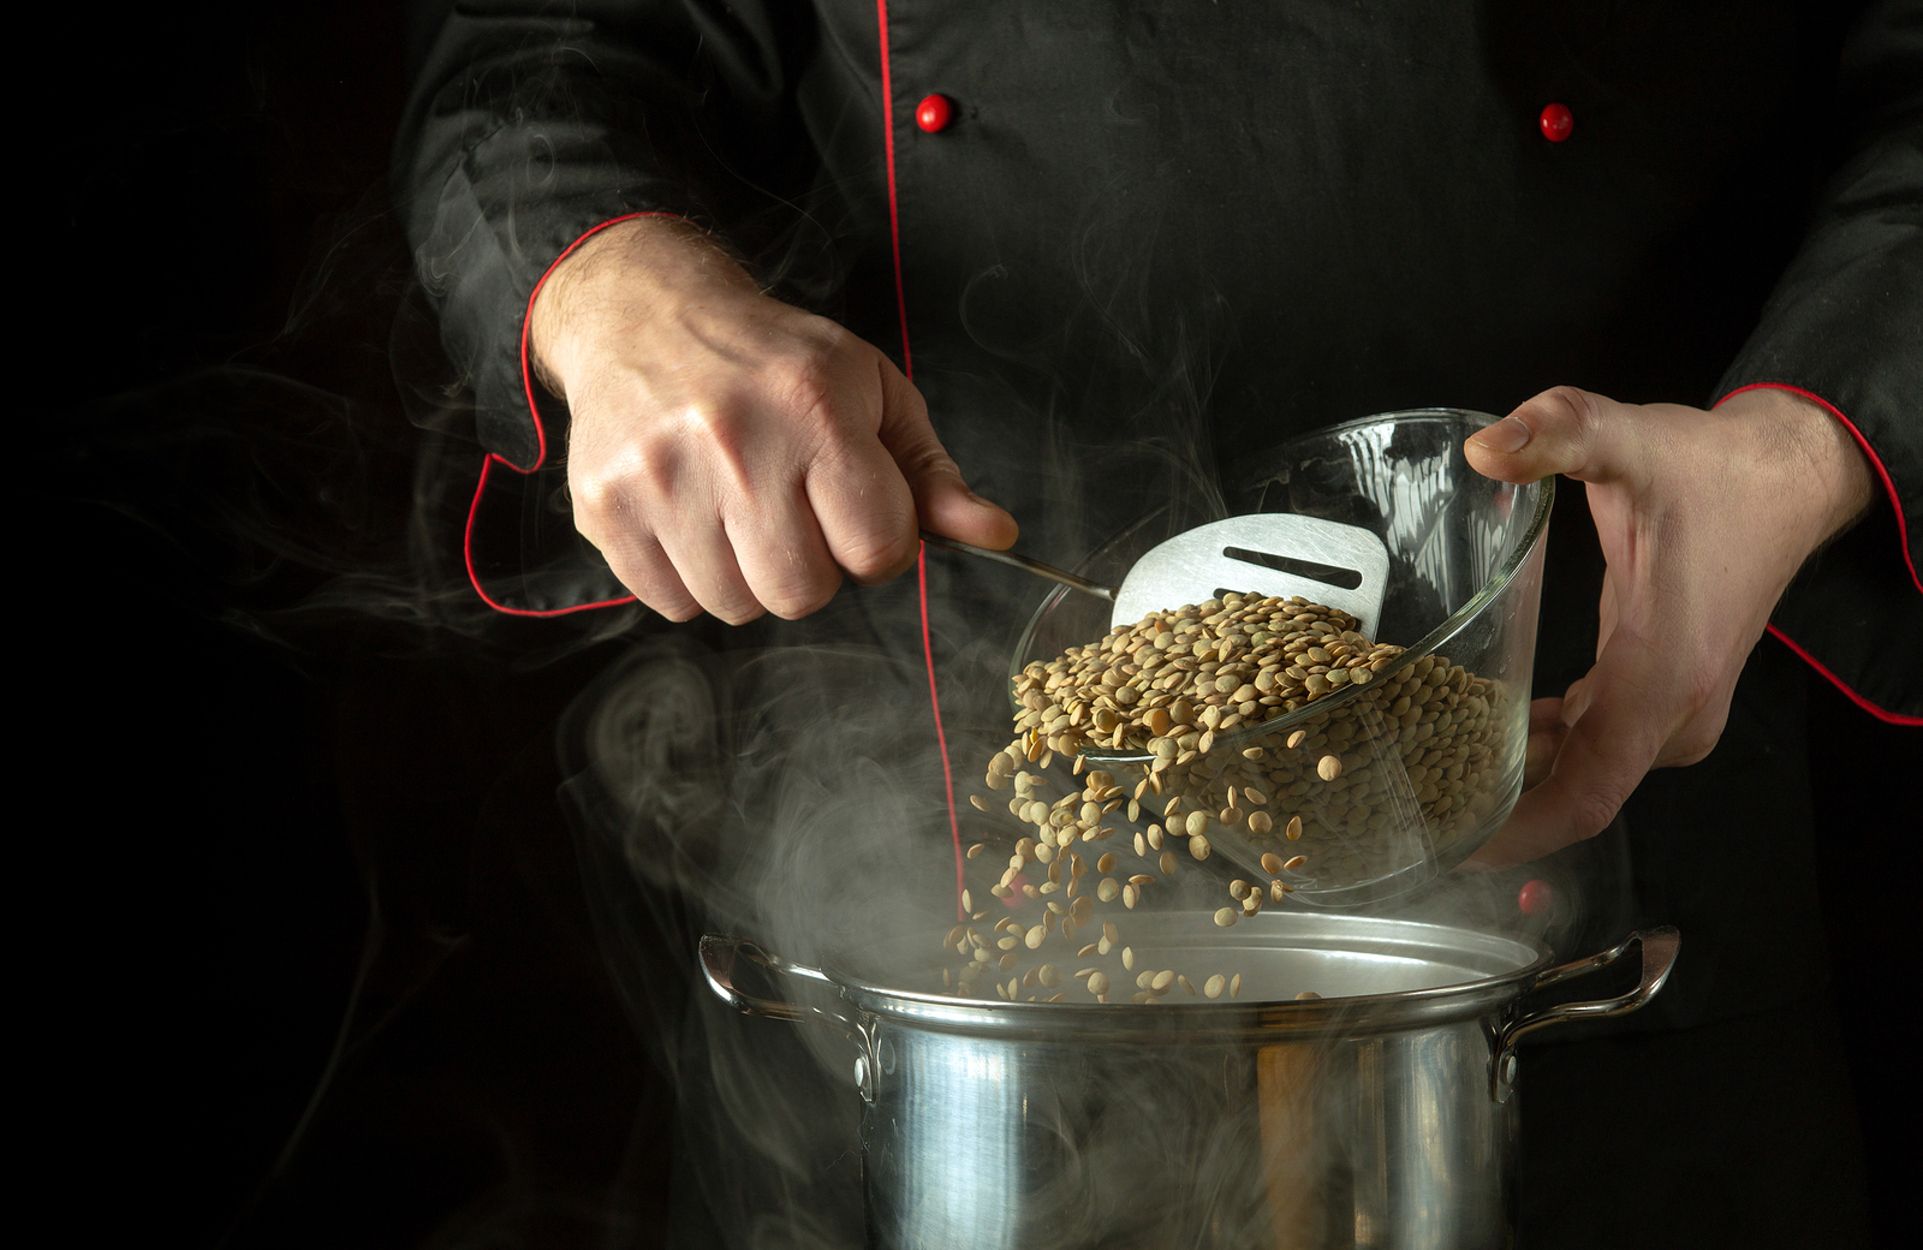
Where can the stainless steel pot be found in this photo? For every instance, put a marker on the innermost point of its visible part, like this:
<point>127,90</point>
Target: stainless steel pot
<point>1381,1115</point>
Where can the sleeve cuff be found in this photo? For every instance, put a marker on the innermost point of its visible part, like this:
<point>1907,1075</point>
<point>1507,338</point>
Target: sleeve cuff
<point>569,587</point>
<point>1847,609</point>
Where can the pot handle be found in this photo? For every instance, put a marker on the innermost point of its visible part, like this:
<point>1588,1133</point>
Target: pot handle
<point>1659,945</point>
<point>719,958</point>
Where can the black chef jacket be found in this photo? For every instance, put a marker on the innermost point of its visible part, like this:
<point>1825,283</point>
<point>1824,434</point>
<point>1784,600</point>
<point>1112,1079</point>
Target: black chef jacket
<point>1138,242</point>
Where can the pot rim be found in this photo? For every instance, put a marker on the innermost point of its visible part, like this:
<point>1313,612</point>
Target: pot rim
<point>1495,1001</point>
<point>1360,1013</point>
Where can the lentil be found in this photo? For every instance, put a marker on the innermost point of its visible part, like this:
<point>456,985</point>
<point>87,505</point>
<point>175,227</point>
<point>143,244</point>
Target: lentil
<point>1171,690</point>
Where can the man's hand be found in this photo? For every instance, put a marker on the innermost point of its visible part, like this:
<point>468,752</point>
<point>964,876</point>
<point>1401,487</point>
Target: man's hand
<point>1703,517</point>
<point>729,452</point>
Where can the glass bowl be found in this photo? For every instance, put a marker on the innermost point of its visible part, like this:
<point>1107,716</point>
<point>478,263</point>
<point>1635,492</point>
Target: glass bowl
<point>1430,749</point>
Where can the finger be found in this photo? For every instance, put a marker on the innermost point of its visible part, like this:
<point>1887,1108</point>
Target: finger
<point>783,557</point>
<point>1545,715</point>
<point>1605,613</point>
<point>1631,712</point>
<point>643,567</point>
<point>943,502</point>
<point>864,509</point>
<point>705,561</point>
<point>1539,756</point>
<point>1575,701</point>
<point>1545,740</point>
<point>1563,430</point>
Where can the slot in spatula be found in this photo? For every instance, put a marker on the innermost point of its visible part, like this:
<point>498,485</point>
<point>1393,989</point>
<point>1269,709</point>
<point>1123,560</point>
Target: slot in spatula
<point>1264,553</point>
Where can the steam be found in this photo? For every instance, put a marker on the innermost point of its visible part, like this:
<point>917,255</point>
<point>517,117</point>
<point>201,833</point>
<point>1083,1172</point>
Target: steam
<point>781,784</point>
<point>769,793</point>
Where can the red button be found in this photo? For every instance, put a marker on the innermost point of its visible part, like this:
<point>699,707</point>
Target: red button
<point>1556,122</point>
<point>934,113</point>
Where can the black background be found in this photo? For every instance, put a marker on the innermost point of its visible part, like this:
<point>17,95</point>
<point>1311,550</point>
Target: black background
<point>317,925</point>
<point>325,914</point>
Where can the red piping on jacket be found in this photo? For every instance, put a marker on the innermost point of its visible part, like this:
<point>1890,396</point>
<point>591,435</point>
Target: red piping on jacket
<point>908,371</point>
<point>540,443</point>
<point>894,211</point>
<point>473,574</point>
<point>1902,534</point>
<point>1882,714</point>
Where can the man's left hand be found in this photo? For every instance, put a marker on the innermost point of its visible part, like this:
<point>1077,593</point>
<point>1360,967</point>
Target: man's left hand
<point>1703,517</point>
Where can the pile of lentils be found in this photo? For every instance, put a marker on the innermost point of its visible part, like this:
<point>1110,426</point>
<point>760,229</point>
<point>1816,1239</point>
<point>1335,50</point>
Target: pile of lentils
<point>1329,803</point>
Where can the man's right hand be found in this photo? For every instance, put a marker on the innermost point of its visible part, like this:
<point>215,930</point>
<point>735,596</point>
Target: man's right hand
<point>728,452</point>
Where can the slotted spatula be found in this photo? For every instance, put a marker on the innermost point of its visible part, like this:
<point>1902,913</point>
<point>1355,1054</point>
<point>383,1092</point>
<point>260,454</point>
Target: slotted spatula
<point>1264,553</point>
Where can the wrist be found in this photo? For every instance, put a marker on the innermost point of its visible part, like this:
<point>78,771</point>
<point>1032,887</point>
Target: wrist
<point>1825,474</point>
<point>613,281</point>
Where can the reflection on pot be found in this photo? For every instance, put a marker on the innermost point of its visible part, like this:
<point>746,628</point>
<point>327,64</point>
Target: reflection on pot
<point>1381,1115</point>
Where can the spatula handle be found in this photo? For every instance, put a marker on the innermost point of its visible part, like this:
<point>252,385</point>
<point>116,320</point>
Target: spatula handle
<point>1022,562</point>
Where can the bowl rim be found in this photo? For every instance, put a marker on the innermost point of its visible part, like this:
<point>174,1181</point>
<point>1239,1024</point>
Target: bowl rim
<point>1492,588</point>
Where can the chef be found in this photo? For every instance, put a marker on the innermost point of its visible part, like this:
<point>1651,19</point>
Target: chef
<point>747,293</point>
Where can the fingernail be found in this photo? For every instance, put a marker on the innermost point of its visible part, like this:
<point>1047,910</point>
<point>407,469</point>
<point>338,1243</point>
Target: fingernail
<point>1508,434</point>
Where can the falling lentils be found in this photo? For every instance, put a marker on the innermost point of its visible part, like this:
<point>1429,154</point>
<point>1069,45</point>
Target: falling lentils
<point>1167,694</point>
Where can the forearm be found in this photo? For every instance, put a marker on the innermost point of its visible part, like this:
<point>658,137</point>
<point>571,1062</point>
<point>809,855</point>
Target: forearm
<point>1828,483</point>
<point>617,279</point>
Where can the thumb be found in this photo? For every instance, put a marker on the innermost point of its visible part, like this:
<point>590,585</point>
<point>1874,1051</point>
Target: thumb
<point>1563,430</point>
<point>943,502</point>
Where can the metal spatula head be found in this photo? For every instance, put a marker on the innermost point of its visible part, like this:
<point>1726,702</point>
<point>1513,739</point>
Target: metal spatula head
<point>1263,553</point>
